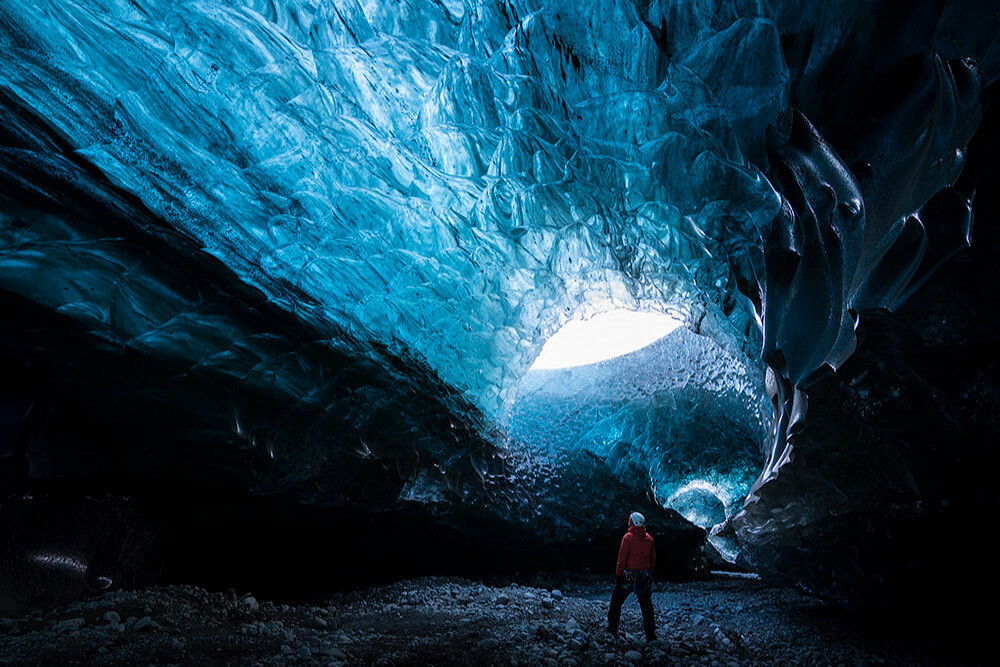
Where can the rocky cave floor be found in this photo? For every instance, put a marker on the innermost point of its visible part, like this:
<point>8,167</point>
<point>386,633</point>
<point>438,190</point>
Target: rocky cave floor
<point>546,619</point>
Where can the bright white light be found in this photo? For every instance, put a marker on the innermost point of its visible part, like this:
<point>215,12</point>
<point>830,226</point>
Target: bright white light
<point>603,337</point>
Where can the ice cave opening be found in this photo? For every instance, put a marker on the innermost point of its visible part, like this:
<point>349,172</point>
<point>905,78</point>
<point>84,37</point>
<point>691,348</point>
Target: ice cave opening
<point>605,336</point>
<point>672,414</point>
<point>276,270</point>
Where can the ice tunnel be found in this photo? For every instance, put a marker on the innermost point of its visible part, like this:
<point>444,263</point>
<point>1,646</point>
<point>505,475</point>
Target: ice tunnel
<point>275,272</point>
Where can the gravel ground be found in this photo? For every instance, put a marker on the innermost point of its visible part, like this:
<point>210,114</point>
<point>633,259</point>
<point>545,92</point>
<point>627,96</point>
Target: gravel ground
<point>548,620</point>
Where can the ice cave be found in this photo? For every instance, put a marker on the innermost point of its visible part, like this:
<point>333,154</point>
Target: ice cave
<point>275,275</point>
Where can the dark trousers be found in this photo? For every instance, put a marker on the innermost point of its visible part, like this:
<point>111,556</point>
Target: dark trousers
<point>642,584</point>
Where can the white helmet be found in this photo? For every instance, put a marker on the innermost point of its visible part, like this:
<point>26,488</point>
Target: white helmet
<point>637,519</point>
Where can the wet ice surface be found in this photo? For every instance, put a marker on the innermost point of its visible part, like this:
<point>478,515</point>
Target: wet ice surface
<point>547,619</point>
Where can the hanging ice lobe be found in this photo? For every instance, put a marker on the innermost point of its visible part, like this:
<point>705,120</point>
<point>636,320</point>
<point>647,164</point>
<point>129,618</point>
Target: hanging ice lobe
<point>857,434</point>
<point>309,249</point>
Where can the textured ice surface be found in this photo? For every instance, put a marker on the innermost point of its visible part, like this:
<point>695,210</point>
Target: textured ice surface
<point>453,181</point>
<point>680,416</point>
<point>333,236</point>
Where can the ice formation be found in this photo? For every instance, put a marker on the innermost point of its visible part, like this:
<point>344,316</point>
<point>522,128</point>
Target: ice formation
<point>310,249</point>
<point>681,418</point>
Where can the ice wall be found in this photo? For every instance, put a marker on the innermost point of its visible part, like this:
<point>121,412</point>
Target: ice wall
<point>852,503</point>
<point>354,224</point>
<point>680,418</point>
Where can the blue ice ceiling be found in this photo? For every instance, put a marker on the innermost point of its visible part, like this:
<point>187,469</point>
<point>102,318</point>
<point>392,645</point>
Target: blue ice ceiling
<point>311,248</point>
<point>453,182</point>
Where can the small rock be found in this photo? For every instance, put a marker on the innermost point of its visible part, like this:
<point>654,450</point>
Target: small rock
<point>250,602</point>
<point>69,625</point>
<point>143,623</point>
<point>286,649</point>
<point>548,603</point>
<point>303,653</point>
<point>633,656</point>
<point>112,617</point>
<point>489,644</point>
<point>503,598</point>
<point>557,594</point>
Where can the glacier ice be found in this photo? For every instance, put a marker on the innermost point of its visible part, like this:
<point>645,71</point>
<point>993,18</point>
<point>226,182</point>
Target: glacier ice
<point>681,418</point>
<point>311,248</point>
<point>407,174</point>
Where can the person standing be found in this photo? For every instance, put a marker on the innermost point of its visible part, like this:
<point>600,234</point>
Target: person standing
<point>636,560</point>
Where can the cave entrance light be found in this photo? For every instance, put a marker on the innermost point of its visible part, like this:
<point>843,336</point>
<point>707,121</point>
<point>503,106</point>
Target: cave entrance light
<point>602,337</point>
<point>670,412</point>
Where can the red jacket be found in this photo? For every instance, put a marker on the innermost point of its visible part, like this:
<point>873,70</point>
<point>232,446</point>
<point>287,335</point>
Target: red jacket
<point>638,551</point>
